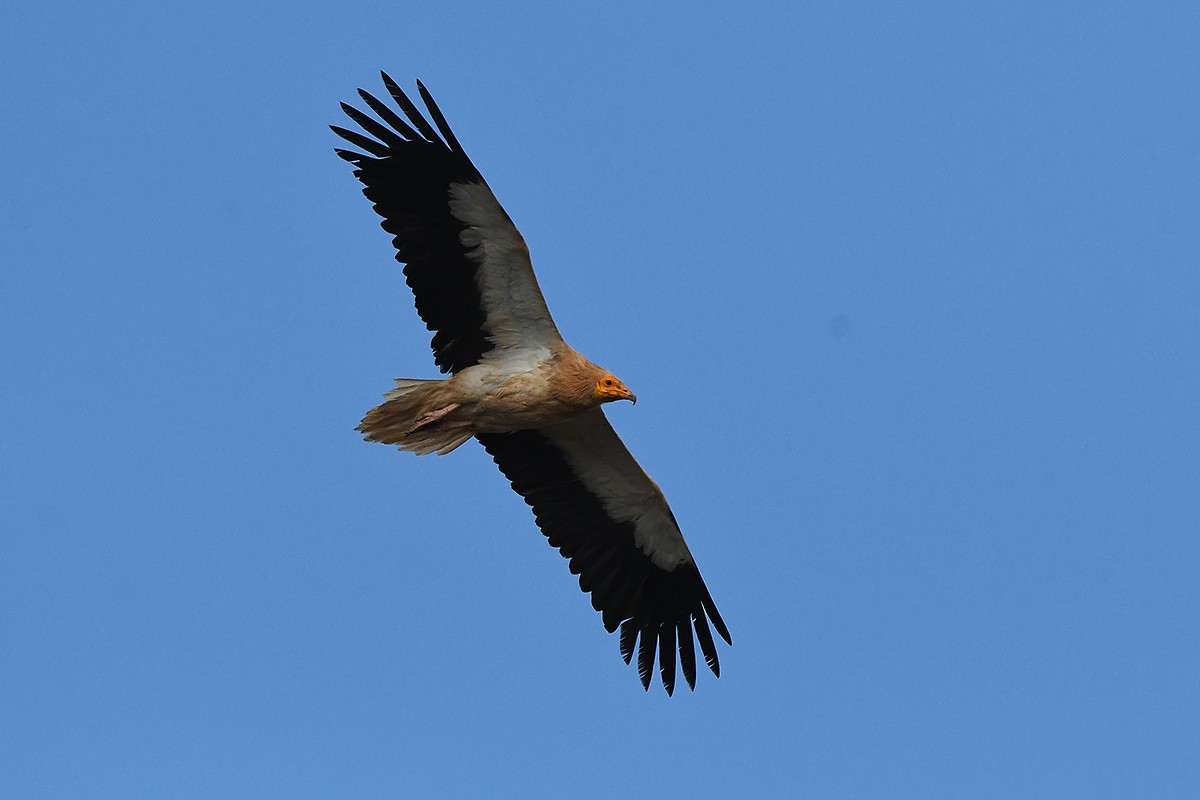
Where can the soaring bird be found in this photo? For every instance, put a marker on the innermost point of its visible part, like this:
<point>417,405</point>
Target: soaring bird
<point>532,401</point>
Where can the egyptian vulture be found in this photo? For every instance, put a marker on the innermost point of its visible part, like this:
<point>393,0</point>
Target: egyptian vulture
<point>517,387</point>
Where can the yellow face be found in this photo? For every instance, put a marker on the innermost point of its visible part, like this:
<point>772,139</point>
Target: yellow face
<point>610,388</point>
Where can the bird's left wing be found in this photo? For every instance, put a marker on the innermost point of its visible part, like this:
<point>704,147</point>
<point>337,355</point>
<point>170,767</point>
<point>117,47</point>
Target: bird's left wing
<point>465,261</point>
<point>596,504</point>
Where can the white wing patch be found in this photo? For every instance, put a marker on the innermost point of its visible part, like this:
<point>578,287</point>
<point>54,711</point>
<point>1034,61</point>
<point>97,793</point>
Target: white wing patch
<point>609,471</point>
<point>516,314</point>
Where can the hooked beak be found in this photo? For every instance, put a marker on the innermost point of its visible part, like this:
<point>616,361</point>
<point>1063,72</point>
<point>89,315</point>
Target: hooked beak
<point>618,391</point>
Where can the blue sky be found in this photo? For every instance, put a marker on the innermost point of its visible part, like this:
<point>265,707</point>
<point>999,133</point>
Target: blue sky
<point>909,296</point>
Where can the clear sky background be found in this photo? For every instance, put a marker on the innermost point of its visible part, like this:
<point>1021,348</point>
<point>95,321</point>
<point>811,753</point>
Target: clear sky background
<point>910,296</point>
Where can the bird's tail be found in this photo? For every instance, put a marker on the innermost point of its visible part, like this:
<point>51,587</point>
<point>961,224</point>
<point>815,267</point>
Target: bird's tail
<point>418,416</point>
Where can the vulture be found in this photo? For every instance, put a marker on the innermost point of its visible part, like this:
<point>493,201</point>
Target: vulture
<point>516,386</point>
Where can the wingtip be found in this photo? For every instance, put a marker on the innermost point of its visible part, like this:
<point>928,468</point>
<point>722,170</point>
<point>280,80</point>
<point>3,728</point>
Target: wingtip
<point>687,651</point>
<point>666,656</point>
<point>646,651</point>
<point>710,608</point>
<point>719,624</point>
<point>628,639</point>
<point>705,640</point>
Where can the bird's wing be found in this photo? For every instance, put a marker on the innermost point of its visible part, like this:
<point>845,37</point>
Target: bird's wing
<point>466,262</point>
<point>603,512</point>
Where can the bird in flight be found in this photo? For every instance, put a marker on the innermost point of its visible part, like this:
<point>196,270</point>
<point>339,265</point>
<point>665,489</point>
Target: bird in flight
<point>532,401</point>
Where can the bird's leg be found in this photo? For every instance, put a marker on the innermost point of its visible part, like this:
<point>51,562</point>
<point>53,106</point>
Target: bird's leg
<point>431,418</point>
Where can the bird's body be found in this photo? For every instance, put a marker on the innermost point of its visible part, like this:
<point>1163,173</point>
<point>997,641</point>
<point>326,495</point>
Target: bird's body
<point>521,390</point>
<point>528,389</point>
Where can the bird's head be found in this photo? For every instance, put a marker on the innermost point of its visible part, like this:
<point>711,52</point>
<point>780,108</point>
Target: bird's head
<point>610,388</point>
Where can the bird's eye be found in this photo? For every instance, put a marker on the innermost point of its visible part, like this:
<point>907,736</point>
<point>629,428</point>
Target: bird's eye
<point>607,382</point>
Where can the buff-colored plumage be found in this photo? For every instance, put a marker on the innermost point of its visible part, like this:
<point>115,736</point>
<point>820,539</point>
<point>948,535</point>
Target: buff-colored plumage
<point>495,396</point>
